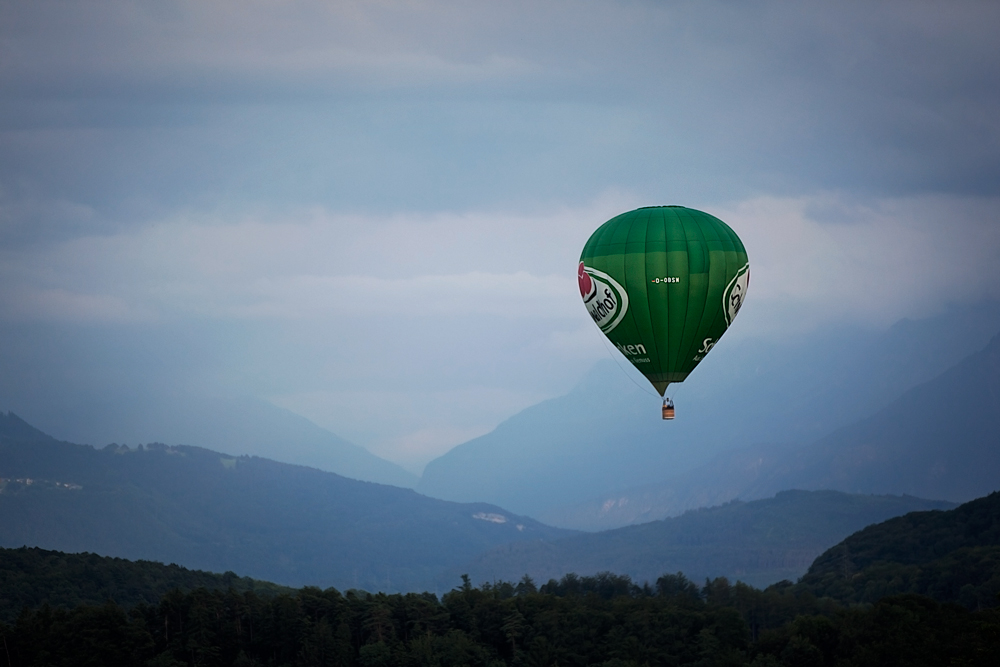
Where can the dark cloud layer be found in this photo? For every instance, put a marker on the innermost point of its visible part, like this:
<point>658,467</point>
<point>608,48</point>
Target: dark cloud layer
<point>120,112</point>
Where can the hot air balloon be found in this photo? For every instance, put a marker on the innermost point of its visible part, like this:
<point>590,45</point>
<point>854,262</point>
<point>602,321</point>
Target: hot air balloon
<point>664,283</point>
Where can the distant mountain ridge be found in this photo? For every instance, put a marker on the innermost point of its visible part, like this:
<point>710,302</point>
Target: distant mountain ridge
<point>940,439</point>
<point>523,463</point>
<point>212,511</point>
<point>240,425</point>
<point>717,482</point>
<point>603,440</point>
<point>758,542</point>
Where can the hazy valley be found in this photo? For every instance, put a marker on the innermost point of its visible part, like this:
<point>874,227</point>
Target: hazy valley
<point>296,525</point>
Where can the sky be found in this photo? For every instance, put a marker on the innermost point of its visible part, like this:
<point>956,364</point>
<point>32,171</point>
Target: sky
<point>370,213</point>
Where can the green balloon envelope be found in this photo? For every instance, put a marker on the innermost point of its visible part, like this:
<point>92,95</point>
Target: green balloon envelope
<point>664,283</point>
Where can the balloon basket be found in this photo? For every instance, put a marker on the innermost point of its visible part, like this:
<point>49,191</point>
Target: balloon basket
<point>668,409</point>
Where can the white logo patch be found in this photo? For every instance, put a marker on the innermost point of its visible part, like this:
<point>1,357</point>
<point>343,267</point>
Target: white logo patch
<point>735,293</point>
<point>605,299</point>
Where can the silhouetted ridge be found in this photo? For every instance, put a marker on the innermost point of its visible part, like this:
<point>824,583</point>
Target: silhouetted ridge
<point>952,556</point>
<point>940,439</point>
<point>758,542</point>
<point>14,428</point>
<point>212,511</point>
<point>600,457</point>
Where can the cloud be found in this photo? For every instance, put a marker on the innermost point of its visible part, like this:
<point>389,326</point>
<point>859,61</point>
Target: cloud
<point>192,47</point>
<point>515,295</point>
<point>316,264</point>
<point>815,259</point>
<point>832,259</point>
<point>68,306</point>
<point>138,111</point>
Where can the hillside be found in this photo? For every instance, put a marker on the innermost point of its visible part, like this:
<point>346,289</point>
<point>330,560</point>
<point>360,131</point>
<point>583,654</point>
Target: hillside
<point>952,556</point>
<point>206,510</point>
<point>722,479</point>
<point>30,577</point>
<point>757,542</point>
<point>565,457</point>
<point>237,425</point>
<point>561,448</point>
<point>938,440</point>
<point>605,619</point>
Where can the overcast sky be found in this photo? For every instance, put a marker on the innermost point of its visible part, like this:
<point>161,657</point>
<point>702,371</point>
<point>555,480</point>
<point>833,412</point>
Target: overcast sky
<point>370,213</point>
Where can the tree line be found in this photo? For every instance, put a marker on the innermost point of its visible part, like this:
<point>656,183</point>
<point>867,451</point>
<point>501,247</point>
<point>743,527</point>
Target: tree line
<point>602,620</point>
<point>30,576</point>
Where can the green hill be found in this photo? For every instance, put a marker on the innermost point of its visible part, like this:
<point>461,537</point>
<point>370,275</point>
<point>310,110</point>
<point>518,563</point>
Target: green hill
<point>951,556</point>
<point>210,511</point>
<point>601,620</point>
<point>31,577</point>
<point>758,542</point>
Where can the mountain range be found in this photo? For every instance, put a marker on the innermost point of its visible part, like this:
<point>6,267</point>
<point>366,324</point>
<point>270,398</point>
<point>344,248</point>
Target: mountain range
<point>207,510</point>
<point>604,441</point>
<point>601,439</point>
<point>940,439</point>
<point>295,525</point>
<point>912,570</point>
<point>950,555</point>
<point>241,425</point>
<point>759,542</point>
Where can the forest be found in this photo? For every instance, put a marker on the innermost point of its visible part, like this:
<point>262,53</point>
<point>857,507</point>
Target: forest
<point>951,556</point>
<point>600,620</point>
<point>922,589</point>
<point>31,577</point>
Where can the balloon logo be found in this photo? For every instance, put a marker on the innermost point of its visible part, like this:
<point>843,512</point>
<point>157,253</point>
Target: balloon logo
<point>606,300</point>
<point>664,283</point>
<point>586,284</point>
<point>735,291</point>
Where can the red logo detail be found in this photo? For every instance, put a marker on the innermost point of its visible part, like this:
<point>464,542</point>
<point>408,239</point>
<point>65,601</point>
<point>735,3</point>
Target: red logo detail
<point>586,284</point>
